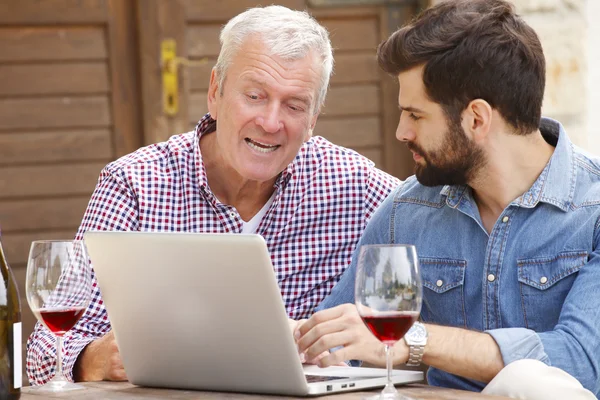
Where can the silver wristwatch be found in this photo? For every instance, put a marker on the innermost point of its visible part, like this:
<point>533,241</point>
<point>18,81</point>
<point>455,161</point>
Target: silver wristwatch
<point>416,339</point>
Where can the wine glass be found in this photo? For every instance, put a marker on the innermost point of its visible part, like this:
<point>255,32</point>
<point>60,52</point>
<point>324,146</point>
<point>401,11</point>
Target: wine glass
<point>388,295</point>
<point>58,290</point>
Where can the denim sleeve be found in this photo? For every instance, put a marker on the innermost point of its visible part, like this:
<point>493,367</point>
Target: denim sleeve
<point>376,232</point>
<point>574,343</point>
<point>519,343</point>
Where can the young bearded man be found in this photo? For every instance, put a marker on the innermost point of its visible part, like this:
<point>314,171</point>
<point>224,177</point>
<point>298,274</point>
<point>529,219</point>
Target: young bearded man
<point>503,209</point>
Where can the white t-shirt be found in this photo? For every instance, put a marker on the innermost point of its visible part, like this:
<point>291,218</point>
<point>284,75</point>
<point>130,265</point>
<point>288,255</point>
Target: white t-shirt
<point>252,225</point>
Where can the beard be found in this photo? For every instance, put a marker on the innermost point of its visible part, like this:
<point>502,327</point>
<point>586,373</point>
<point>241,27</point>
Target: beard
<point>455,163</point>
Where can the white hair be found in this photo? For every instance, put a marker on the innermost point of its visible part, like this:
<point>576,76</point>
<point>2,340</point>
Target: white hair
<point>288,34</point>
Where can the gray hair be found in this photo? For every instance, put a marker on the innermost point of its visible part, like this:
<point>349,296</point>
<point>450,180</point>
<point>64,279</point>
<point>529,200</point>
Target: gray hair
<point>288,34</point>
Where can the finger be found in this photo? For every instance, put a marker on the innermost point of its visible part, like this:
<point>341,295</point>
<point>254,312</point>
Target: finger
<point>296,329</point>
<point>318,332</point>
<point>323,355</point>
<point>327,342</point>
<point>115,368</point>
<point>331,359</point>
<point>317,358</point>
<point>292,324</point>
<point>115,361</point>
<point>117,375</point>
<point>323,316</point>
<point>112,345</point>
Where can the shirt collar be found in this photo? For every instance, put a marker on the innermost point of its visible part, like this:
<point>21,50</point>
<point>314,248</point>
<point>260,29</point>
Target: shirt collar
<point>454,194</point>
<point>556,183</point>
<point>204,126</point>
<point>208,125</point>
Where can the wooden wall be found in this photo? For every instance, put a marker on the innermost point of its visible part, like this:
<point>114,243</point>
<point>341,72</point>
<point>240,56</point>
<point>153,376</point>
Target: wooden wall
<point>68,105</point>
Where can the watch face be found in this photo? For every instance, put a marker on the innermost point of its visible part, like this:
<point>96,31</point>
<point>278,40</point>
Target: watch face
<point>417,333</point>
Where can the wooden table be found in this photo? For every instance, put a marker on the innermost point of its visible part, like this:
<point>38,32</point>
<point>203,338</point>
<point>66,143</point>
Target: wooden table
<point>125,390</point>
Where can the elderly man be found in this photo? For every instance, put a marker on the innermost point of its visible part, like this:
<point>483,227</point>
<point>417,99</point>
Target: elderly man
<point>250,166</point>
<point>504,212</point>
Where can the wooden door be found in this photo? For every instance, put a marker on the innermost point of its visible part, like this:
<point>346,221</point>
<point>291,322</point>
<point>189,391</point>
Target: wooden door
<point>69,104</point>
<point>361,107</point>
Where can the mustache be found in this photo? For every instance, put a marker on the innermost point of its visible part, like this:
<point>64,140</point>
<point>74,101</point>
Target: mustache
<point>412,146</point>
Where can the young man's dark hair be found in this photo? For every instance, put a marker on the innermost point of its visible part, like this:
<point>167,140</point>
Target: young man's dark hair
<point>473,49</point>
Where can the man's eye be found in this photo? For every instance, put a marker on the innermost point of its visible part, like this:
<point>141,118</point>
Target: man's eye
<point>252,96</point>
<point>295,108</point>
<point>414,117</point>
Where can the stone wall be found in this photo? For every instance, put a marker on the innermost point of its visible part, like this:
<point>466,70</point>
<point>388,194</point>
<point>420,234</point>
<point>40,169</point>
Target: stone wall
<point>593,84</point>
<point>562,28</point>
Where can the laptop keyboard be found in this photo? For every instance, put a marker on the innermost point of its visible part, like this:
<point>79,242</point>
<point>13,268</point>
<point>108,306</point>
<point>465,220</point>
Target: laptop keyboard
<point>321,378</point>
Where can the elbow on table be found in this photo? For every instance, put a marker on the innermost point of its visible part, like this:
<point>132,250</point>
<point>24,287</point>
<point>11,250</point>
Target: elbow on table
<point>586,371</point>
<point>591,379</point>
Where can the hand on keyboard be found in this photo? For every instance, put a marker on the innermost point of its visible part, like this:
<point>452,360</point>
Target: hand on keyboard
<point>294,327</point>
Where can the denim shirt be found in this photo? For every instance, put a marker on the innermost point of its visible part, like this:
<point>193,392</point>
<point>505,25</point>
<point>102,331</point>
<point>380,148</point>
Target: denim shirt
<point>532,283</point>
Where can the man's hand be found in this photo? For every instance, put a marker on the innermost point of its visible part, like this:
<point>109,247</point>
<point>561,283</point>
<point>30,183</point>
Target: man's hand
<point>100,361</point>
<point>294,327</point>
<point>340,326</point>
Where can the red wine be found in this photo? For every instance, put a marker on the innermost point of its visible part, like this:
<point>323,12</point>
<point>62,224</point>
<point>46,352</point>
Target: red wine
<point>10,334</point>
<point>389,328</point>
<point>60,320</point>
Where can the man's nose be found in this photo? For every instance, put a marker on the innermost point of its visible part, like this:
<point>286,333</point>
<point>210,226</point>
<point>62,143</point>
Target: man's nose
<point>404,131</point>
<point>270,119</point>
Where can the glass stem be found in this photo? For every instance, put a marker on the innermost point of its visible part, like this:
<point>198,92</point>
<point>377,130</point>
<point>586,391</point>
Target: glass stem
<point>389,389</point>
<point>59,372</point>
<point>388,359</point>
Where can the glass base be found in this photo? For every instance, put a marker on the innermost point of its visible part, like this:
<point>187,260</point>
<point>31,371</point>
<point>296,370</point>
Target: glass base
<point>389,392</point>
<point>388,396</point>
<point>57,386</point>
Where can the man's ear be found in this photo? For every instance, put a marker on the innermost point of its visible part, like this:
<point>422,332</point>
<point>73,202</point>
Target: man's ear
<point>477,120</point>
<point>313,122</point>
<point>309,135</point>
<point>213,94</point>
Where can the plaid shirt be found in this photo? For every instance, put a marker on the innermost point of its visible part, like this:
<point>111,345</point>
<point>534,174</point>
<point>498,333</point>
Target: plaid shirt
<point>322,203</point>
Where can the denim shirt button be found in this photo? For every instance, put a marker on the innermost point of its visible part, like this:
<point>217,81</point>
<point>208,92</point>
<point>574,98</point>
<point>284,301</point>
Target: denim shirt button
<point>505,219</point>
<point>543,280</point>
<point>491,277</point>
<point>439,283</point>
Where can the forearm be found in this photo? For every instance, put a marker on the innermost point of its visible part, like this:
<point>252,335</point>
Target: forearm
<point>89,364</point>
<point>470,354</point>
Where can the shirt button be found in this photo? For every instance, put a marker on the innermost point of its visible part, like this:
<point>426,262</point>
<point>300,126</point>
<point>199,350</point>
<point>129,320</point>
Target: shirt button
<point>543,280</point>
<point>439,283</point>
<point>491,278</point>
<point>505,219</point>
<point>232,214</point>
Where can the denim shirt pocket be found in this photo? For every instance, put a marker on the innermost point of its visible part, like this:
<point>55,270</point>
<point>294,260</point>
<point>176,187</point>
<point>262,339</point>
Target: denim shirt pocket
<point>443,280</point>
<point>544,284</point>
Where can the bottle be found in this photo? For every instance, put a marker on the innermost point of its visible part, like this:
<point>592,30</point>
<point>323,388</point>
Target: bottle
<point>10,334</point>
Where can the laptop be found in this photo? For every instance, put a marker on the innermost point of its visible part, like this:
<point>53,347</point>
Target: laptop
<point>204,312</point>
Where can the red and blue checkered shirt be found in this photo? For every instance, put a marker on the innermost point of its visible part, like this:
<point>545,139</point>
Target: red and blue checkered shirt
<point>322,203</point>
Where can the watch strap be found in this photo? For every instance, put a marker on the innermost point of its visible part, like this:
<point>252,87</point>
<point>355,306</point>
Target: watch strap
<point>415,355</point>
